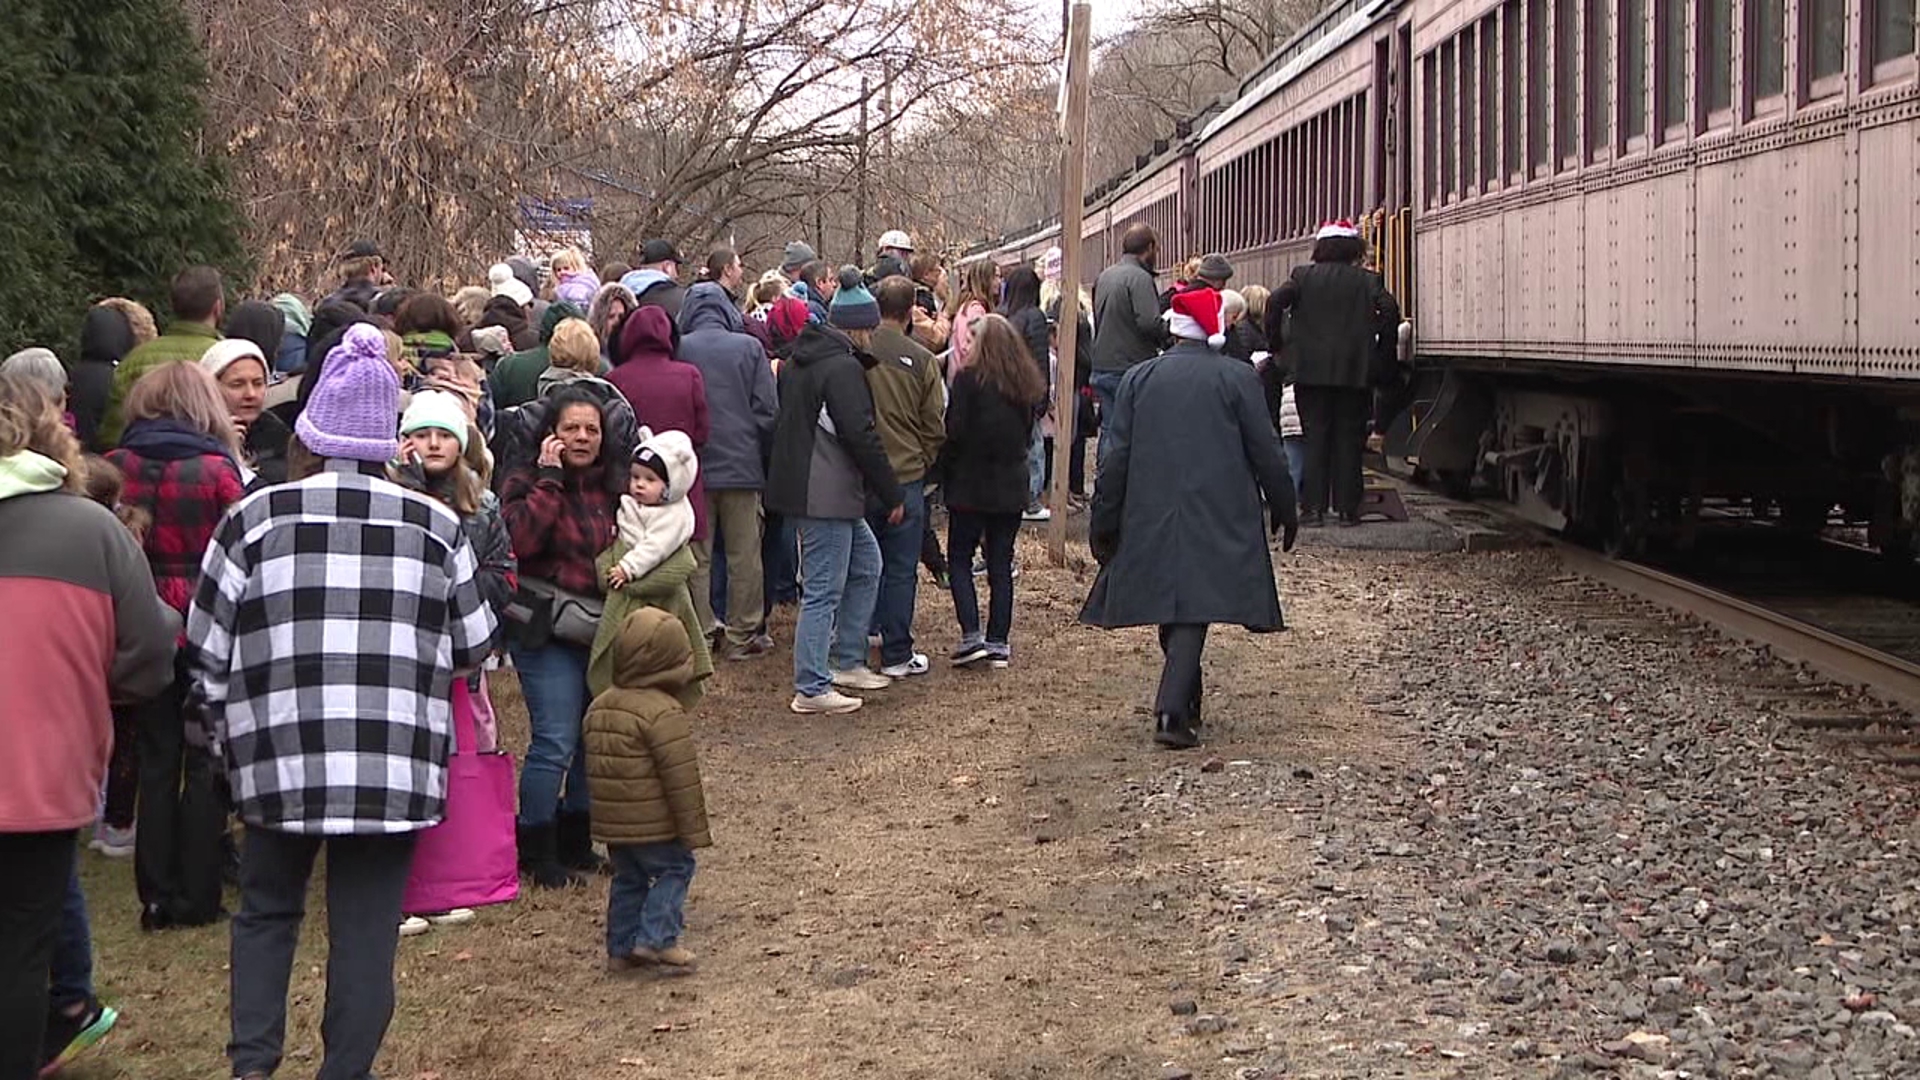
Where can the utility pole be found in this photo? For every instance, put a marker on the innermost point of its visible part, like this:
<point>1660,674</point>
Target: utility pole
<point>1073,184</point>
<point>861,188</point>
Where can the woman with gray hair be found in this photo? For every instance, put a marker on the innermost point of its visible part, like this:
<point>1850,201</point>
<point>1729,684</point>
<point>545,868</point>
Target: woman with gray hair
<point>43,368</point>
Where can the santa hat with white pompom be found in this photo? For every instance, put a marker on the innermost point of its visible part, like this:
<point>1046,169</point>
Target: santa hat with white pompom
<point>1197,315</point>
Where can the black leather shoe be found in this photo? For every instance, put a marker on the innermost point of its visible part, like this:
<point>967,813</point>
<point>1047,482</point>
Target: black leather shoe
<point>1174,732</point>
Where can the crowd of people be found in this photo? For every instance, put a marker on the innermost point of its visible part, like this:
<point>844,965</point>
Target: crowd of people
<point>260,565</point>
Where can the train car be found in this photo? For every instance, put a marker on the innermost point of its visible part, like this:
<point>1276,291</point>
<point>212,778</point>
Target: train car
<point>1667,250</point>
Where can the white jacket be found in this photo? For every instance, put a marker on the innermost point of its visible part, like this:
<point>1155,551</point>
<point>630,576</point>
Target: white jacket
<point>654,533</point>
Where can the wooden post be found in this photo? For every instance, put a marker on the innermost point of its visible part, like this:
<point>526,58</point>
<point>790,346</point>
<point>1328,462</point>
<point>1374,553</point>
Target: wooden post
<point>1073,183</point>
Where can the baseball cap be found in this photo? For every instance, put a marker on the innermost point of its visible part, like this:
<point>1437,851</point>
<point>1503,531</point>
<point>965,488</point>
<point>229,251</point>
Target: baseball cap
<point>361,249</point>
<point>894,238</point>
<point>659,251</point>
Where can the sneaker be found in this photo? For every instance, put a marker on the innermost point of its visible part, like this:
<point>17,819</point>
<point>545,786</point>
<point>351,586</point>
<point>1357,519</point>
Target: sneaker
<point>980,569</point>
<point>414,926</point>
<point>70,1036</point>
<point>111,842</point>
<point>1037,513</point>
<point>942,580</point>
<point>970,652</point>
<point>831,703</point>
<point>914,665</point>
<point>860,678</point>
<point>676,957</point>
<point>999,657</point>
<point>1175,732</point>
<point>459,916</point>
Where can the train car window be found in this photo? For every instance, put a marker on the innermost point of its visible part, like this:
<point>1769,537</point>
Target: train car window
<point>1510,100</point>
<point>1716,58</point>
<point>1672,61</point>
<point>1892,31</point>
<point>1824,28</point>
<point>1469,80</point>
<point>1357,175</point>
<point>1490,104</point>
<point>1566,84</point>
<point>1633,69</point>
<point>1598,35</point>
<point>1430,129</point>
<point>1450,180</point>
<point>1766,48</point>
<point>1536,85</point>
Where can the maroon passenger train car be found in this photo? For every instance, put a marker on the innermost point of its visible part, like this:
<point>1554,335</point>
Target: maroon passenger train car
<point>1657,254</point>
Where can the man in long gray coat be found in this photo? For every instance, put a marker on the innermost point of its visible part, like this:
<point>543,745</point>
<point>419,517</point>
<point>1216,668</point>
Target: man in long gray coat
<point>1177,522</point>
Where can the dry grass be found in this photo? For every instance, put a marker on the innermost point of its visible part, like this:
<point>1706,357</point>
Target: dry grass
<point>951,883</point>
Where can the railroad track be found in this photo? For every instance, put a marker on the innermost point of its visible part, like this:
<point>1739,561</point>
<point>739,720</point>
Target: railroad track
<point>1867,690</point>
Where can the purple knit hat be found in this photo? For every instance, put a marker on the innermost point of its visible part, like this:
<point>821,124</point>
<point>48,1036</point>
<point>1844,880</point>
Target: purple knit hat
<point>355,408</point>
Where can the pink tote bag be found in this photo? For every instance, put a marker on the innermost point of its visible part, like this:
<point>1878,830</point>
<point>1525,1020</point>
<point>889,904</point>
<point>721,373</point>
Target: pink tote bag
<point>469,859</point>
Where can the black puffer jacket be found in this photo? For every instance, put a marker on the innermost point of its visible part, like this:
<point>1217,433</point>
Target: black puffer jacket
<point>105,337</point>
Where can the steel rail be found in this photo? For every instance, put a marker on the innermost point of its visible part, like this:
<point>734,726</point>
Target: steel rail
<point>1836,657</point>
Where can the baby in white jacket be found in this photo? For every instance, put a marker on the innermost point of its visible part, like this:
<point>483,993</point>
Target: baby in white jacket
<point>655,518</point>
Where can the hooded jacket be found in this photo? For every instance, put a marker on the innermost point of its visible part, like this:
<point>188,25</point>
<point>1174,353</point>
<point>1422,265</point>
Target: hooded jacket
<point>653,288</point>
<point>741,401</point>
<point>827,456</point>
<point>186,481</point>
<point>291,357</point>
<point>502,312</point>
<point>515,379</point>
<point>597,315</point>
<point>105,339</point>
<point>642,768</point>
<point>666,394</point>
<point>652,533</point>
<point>83,629</point>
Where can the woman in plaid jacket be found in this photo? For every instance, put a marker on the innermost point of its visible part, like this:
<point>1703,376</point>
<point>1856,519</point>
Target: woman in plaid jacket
<point>332,616</point>
<point>560,514</point>
<point>180,455</point>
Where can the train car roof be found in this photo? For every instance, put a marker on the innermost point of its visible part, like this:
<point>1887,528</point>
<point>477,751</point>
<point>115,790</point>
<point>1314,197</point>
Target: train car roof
<point>1340,23</point>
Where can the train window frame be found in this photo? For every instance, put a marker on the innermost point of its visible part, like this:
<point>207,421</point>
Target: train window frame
<point>1596,58</point>
<point>1491,129</point>
<point>1626,141</point>
<point>1707,117</point>
<point>1430,128</point>
<point>1468,60</point>
<point>1875,72</point>
<point>1672,126</point>
<point>1513,150</point>
<point>1568,86</point>
<point>1539,72</point>
<point>1755,104</point>
<point>1816,87</point>
<point>1449,98</point>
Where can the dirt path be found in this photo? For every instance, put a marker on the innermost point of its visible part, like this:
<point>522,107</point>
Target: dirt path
<point>980,875</point>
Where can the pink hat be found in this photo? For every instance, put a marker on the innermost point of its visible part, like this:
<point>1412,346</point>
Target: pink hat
<point>355,408</point>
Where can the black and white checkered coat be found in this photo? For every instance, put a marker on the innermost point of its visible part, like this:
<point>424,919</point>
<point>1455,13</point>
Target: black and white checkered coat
<point>331,616</point>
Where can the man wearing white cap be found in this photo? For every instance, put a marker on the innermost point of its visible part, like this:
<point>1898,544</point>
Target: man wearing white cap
<point>896,252</point>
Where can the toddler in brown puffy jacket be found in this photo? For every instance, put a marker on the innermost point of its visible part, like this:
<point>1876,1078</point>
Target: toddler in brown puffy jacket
<point>648,808</point>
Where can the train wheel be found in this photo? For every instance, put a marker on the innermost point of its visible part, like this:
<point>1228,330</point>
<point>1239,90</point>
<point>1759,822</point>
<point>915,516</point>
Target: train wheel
<point>1624,532</point>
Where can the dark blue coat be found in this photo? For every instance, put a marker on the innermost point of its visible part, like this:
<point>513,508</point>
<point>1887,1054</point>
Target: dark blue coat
<point>741,402</point>
<point>1191,450</point>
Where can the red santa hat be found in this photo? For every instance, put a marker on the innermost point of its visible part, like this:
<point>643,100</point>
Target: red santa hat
<point>1343,227</point>
<point>1197,315</point>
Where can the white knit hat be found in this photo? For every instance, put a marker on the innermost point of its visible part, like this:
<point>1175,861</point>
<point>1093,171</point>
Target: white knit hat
<point>501,282</point>
<point>226,352</point>
<point>437,409</point>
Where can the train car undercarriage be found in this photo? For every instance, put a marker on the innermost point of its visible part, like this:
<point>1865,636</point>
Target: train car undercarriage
<point>1633,459</point>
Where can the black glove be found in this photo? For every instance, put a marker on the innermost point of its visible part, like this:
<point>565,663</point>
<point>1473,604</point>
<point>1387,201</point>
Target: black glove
<point>1103,547</point>
<point>1288,531</point>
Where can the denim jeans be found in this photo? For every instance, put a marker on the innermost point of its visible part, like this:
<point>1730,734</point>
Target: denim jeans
<point>1036,466</point>
<point>995,533</point>
<point>1106,386</point>
<point>72,973</point>
<point>840,581</point>
<point>554,680</point>
<point>1296,450</point>
<point>647,902</point>
<point>899,573</point>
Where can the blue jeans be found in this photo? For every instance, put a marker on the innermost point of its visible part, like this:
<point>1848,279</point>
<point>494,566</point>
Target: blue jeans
<point>1106,386</point>
<point>647,902</point>
<point>840,582</point>
<point>72,972</point>
<point>899,573</point>
<point>554,680</point>
<point>1296,449</point>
